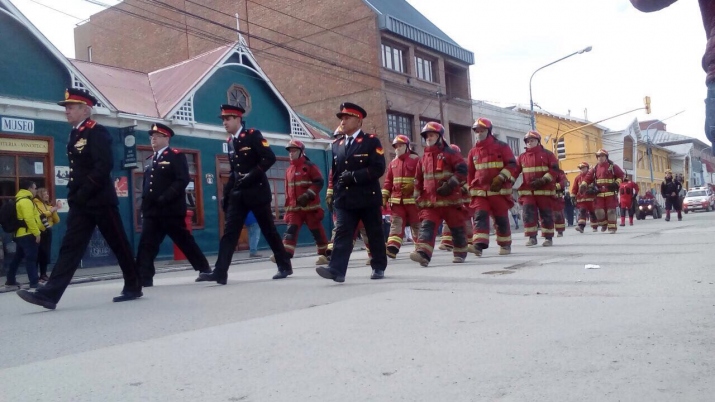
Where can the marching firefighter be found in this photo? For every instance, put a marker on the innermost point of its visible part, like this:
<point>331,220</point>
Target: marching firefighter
<point>608,177</point>
<point>438,181</point>
<point>490,166</point>
<point>585,197</point>
<point>398,192</point>
<point>303,182</point>
<point>446,242</point>
<point>536,192</point>
<point>627,195</point>
<point>324,259</point>
<point>559,204</point>
<point>670,190</point>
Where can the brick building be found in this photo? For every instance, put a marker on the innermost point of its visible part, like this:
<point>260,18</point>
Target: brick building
<point>383,55</point>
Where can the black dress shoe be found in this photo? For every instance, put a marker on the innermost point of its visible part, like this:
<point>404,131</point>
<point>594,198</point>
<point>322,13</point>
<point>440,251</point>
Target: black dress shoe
<point>147,282</point>
<point>211,277</point>
<point>128,295</point>
<point>377,274</point>
<point>206,270</point>
<point>283,274</point>
<point>34,298</point>
<point>328,274</point>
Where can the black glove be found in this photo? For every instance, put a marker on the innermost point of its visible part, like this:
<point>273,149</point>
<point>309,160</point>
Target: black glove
<point>538,183</point>
<point>613,187</point>
<point>303,200</point>
<point>329,203</point>
<point>243,181</point>
<point>446,188</point>
<point>346,178</point>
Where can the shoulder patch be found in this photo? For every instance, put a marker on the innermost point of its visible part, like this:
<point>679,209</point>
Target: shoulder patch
<point>176,151</point>
<point>380,151</point>
<point>250,131</point>
<point>90,123</point>
<point>264,142</point>
<point>371,135</point>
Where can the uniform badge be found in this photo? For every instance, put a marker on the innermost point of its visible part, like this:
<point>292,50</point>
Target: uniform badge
<point>242,135</point>
<point>358,140</point>
<point>380,151</point>
<point>264,142</point>
<point>176,151</point>
<point>165,152</point>
<point>244,149</point>
<point>80,143</point>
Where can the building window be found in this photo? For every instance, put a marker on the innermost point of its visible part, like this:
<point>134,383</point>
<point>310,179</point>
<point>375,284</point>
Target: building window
<point>561,149</point>
<point>16,167</point>
<point>276,177</point>
<point>514,144</point>
<point>194,199</point>
<point>186,111</point>
<point>399,124</point>
<point>393,58</point>
<point>237,95</point>
<point>423,69</point>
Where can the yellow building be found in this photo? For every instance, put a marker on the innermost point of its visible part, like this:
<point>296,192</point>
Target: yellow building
<point>572,143</point>
<point>660,160</point>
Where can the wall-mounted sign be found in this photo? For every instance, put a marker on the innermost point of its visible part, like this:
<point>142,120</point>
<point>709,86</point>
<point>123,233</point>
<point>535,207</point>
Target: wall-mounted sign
<point>17,125</point>
<point>121,186</point>
<point>209,178</point>
<point>130,148</point>
<point>21,145</point>
<point>62,175</point>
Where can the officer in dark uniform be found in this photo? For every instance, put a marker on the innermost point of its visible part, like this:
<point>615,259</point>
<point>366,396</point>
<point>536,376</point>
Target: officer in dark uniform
<point>164,206</point>
<point>357,167</point>
<point>247,189</point>
<point>93,203</point>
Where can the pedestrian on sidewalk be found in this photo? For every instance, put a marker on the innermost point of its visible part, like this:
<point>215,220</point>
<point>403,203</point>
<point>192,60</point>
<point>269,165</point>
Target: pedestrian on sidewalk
<point>670,190</point>
<point>254,235</point>
<point>164,206</point>
<point>93,203</point>
<point>248,189</point>
<point>49,218</point>
<point>27,237</point>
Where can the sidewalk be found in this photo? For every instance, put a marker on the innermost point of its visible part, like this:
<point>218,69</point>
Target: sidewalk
<point>84,275</point>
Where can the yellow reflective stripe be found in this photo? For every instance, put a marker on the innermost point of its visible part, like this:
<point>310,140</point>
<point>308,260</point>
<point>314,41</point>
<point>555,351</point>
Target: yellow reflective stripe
<point>608,194</point>
<point>543,230</point>
<point>460,250</point>
<point>560,226</point>
<point>584,199</point>
<point>425,246</point>
<point>289,247</point>
<point>385,192</point>
<point>503,238</point>
<point>604,181</point>
<point>403,179</point>
<point>488,165</point>
<point>404,201</point>
<point>537,192</point>
<point>308,208</point>
<point>506,173</point>
<point>437,176</point>
<point>329,192</point>
<point>530,228</point>
<point>299,183</point>
<point>548,176</point>
<point>535,169</point>
<point>478,236</point>
<point>482,193</point>
<point>446,238</point>
<point>396,239</point>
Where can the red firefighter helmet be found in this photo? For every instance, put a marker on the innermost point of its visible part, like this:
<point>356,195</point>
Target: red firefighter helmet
<point>432,127</point>
<point>584,165</point>
<point>532,134</point>
<point>602,152</point>
<point>482,122</point>
<point>456,148</point>
<point>295,144</point>
<point>401,139</point>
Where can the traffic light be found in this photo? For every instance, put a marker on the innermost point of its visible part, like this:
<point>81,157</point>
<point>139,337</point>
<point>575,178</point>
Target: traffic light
<point>647,104</point>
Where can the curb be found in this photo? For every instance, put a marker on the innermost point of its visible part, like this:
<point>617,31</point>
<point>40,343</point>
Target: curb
<point>118,275</point>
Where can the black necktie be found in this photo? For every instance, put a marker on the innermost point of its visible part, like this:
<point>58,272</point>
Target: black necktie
<point>350,143</point>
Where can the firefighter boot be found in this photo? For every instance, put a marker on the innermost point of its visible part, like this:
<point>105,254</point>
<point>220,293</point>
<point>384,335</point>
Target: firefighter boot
<point>322,260</point>
<point>531,241</point>
<point>421,257</point>
<point>392,251</point>
<point>623,221</point>
<point>548,242</point>
<point>458,260</point>
<point>505,250</point>
<point>667,215</point>
<point>579,228</point>
<point>680,216</point>
<point>477,250</point>
<point>630,220</point>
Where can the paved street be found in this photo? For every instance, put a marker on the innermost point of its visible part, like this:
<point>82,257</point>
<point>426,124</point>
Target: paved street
<point>532,326</point>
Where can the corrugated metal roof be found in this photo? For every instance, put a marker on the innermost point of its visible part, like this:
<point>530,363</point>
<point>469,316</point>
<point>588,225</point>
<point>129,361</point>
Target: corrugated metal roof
<point>399,17</point>
<point>129,91</point>
<point>173,83</point>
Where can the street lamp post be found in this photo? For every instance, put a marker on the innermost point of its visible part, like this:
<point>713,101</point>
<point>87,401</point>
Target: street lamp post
<point>531,99</point>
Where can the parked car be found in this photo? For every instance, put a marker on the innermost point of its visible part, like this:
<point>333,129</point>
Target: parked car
<point>699,198</point>
<point>648,206</point>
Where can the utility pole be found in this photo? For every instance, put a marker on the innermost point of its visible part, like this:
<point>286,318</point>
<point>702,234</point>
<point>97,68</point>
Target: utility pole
<point>441,113</point>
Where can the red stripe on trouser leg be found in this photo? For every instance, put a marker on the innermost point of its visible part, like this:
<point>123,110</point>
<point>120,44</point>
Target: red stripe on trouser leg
<point>496,207</point>
<point>454,217</point>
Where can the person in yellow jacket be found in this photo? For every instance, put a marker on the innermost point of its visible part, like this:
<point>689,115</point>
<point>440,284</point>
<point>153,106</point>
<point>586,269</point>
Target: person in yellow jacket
<point>27,237</point>
<point>49,218</point>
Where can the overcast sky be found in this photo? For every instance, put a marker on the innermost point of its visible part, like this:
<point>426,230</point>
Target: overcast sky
<point>634,54</point>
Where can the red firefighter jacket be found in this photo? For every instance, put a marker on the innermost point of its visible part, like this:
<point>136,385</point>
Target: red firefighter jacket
<point>303,176</point>
<point>581,196</point>
<point>627,192</point>
<point>400,180</point>
<point>439,164</point>
<point>488,159</point>
<point>535,163</point>
<point>605,175</point>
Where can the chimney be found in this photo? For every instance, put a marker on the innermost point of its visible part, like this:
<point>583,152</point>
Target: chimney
<point>657,126</point>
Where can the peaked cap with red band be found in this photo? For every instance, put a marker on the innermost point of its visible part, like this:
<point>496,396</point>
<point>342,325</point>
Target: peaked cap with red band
<point>231,110</point>
<point>79,96</point>
<point>351,109</point>
<point>161,129</point>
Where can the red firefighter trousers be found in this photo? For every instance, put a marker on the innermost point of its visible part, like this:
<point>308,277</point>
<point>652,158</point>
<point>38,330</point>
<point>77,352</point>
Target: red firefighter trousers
<point>537,207</point>
<point>431,218</point>
<point>498,208</point>
<point>314,220</point>
<point>605,210</point>
<point>403,215</point>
